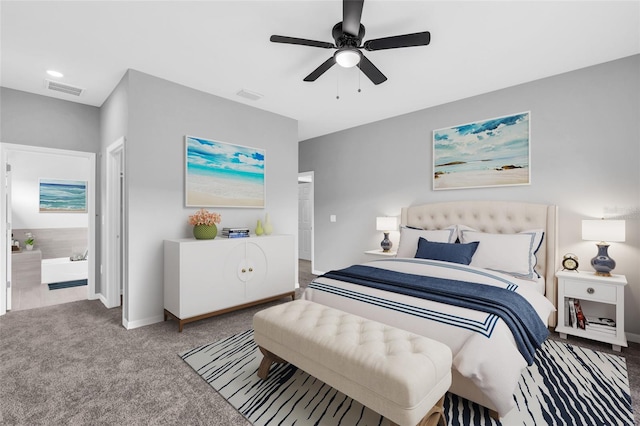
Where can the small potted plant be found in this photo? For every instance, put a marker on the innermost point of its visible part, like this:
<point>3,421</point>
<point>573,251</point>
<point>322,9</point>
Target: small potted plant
<point>204,224</point>
<point>29,241</point>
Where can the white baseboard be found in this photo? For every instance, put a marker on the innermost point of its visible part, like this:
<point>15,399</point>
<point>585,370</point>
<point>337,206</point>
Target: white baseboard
<point>316,272</point>
<point>129,325</point>
<point>103,300</point>
<point>632,337</point>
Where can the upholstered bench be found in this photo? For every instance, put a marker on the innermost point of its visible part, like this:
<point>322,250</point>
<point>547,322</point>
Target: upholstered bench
<point>398,374</point>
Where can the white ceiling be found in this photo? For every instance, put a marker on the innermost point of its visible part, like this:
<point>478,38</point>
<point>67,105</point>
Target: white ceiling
<point>220,47</point>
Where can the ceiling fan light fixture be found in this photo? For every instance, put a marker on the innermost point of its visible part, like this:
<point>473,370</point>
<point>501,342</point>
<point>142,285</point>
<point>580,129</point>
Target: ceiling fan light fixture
<point>348,58</point>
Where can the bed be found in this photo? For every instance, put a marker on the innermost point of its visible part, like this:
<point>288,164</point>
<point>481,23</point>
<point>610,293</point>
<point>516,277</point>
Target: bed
<point>488,355</point>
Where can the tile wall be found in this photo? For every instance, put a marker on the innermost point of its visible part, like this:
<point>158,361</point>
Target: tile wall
<point>56,242</point>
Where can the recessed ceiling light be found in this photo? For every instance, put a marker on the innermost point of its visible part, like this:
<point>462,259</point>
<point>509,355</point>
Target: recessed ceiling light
<point>54,73</point>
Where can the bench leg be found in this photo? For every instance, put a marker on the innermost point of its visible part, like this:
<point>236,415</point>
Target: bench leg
<point>268,359</point>
<point>435,416</point>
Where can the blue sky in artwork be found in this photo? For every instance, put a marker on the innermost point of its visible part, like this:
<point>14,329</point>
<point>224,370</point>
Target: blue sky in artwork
<point>211,157</point>
<point>498,138</point>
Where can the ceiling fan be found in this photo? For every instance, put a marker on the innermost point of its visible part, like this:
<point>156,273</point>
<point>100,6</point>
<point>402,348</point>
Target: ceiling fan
<point>348,36</point>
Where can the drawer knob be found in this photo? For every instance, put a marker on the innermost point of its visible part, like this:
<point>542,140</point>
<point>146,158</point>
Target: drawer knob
<point>591,290</point>
<point>250,269</point>
<point>244,270</point>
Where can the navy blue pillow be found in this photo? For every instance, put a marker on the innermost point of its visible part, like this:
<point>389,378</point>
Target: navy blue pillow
<point>447,252</point>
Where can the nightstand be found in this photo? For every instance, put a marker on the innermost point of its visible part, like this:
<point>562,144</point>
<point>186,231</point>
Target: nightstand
<point>379,252</point>
<point>599,297</point>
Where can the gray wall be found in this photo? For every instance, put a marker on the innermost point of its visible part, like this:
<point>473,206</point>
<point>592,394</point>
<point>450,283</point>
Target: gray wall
<point>585,149</point>
<point>157,116</point>
<point>35,120</point>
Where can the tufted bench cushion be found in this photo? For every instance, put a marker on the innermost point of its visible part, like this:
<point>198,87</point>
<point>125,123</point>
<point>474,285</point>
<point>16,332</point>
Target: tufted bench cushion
<point>394,372</point>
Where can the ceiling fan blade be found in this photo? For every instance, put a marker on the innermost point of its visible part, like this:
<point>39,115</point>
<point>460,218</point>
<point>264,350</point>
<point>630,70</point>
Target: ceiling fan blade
<point>301,41</point>
<point>394,42</point>
<point>370,70</point>
<point>321,69</point>
<point>351,15</point>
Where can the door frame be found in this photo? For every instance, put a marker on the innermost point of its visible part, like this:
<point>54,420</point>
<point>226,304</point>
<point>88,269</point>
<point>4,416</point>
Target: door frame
<point>5,150</point>
<point>115,229</point>
<point>5,274</point>
<point>310,178</point>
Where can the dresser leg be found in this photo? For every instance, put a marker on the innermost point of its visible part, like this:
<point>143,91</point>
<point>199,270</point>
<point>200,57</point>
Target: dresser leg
<point>616,348</point>
<point>563,335</point>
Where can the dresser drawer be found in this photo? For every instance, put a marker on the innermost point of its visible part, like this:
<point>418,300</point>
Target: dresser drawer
<point>590,291</point>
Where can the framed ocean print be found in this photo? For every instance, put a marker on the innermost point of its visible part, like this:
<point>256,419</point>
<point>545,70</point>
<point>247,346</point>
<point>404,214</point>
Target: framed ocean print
<point>220,174</point>
<point>493,152</point>
<point>62,196</point>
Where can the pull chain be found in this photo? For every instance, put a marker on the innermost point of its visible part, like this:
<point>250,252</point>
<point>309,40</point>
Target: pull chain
<point>338,86</point>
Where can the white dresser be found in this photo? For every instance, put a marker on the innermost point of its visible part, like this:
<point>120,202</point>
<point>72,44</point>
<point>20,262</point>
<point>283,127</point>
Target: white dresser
<point>204,278</point>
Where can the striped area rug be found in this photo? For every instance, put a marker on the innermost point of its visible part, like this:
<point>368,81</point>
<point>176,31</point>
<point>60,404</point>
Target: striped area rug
<point>567,385</point>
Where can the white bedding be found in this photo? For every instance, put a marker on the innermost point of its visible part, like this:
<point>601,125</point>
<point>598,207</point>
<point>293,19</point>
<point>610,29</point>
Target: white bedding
<point>539,286</point>
<point>483,347</point>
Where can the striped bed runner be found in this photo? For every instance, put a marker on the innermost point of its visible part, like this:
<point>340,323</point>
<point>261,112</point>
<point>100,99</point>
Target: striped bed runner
<point>566,385</point>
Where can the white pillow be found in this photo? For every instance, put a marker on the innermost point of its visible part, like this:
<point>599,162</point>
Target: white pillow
<point>409,237</point>
<point>513,254</point>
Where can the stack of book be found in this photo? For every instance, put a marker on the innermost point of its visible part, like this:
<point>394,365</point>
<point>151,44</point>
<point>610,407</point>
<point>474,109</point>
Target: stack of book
<point>602,325</point>
<point>576,316</point>
<point>235,232</point>
<point>577,319</point>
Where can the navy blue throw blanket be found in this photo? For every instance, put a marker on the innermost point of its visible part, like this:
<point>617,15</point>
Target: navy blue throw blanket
<point>525,324</point>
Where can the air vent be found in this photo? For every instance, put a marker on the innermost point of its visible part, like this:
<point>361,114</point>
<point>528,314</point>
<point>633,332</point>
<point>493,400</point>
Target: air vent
<point>64,88</point>
<point>249,94</point>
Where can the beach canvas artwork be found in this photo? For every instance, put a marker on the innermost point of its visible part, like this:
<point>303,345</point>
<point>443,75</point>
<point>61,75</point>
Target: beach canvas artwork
<point>492,152</point>
<point>63,196</point>
<point>220,174</point>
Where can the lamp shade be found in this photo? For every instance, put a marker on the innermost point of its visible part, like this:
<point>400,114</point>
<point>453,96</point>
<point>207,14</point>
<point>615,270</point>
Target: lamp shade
<point>603,230</point>
<point>347,57</point>
<point>386,223</point>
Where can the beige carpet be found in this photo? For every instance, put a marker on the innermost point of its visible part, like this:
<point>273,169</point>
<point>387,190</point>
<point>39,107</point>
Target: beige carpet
<point>74,364</point>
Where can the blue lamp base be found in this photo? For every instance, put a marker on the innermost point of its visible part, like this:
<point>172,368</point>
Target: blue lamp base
<point>386,243</point>
<point>602,263</point>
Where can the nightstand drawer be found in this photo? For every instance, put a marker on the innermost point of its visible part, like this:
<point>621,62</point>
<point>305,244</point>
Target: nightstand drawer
<point>592,291</point>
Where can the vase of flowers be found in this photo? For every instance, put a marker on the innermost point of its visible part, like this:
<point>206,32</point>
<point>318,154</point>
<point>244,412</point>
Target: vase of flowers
<point>204,224</point>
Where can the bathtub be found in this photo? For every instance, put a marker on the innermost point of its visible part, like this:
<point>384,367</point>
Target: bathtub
<point>63,269</point>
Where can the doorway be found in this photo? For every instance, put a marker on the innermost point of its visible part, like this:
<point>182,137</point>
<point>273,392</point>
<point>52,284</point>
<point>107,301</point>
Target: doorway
<point>14,190</point>
<point>305,217</point>
<point>115,230</point>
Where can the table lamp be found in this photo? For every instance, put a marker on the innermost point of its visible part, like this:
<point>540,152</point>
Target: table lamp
<point>603,231</point>
<point>386,224</point>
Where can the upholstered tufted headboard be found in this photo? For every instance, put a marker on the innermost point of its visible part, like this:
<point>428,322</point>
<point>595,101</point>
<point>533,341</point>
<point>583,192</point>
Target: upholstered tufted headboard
<point>497,217</point>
